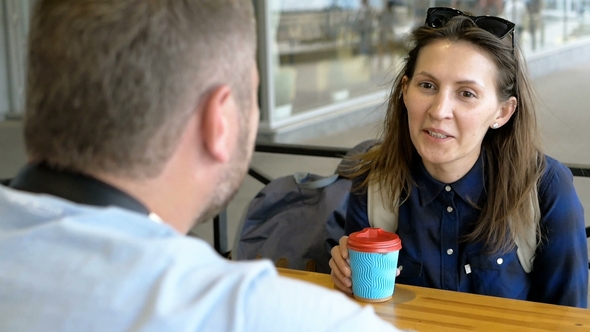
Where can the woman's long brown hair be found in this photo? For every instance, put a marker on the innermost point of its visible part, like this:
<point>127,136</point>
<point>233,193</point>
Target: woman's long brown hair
<point>515,161</point>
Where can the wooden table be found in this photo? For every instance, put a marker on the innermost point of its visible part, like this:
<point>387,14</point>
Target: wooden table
<point>427,309</point>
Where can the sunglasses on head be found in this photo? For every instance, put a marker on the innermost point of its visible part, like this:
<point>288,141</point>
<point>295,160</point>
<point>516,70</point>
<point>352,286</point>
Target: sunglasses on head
<point>437,17</point>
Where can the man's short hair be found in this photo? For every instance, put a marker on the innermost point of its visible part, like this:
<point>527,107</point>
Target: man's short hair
<point>111,83</point>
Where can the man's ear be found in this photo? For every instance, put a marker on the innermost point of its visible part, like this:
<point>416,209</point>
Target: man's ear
<point>218,124</point>
<point>505,113</point>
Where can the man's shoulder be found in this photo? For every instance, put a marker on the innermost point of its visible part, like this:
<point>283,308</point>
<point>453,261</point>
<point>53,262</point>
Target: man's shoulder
<point>112,263</point>
<point>24,210</point>
<point>107,261</point>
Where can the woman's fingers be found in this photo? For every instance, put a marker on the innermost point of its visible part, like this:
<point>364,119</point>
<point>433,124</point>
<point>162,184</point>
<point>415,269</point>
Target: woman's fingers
<point>340,269</point>
<point>340,281</point>
<point>343,244</point>
<point>339,262</point>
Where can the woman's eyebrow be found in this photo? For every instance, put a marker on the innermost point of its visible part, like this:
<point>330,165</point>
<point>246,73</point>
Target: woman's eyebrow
<point>466,81</point>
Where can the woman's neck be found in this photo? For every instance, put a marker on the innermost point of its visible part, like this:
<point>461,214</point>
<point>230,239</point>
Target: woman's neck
<point>450,172</point>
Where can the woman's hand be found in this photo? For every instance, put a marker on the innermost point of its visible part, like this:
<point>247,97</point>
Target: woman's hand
<point>340,266</point>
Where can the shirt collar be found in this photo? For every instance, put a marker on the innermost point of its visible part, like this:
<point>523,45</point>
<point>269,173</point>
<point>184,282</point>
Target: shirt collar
<point>470,187</point>
<point>155,217</point>
<point>75,187</point>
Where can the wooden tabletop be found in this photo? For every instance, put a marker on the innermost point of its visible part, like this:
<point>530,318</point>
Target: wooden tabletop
<point>427,309</point>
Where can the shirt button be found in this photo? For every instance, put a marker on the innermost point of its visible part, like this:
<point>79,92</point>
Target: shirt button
<point>449,209</point>
<point>449,252</point>
<point>499,261</point>
<point>448,188</point>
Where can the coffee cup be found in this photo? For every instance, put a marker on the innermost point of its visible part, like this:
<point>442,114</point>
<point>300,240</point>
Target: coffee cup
<point>373,255</point>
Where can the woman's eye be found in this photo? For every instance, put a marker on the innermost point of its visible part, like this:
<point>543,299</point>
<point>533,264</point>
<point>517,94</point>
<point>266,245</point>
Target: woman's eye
<point>467,94</point>
<point>426,85</point>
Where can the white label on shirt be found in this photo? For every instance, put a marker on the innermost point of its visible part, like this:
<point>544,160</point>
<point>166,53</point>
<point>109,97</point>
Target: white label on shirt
<point>467,269</point>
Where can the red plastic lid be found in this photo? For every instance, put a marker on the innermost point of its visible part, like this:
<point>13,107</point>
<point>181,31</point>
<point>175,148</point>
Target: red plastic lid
<point>374,240</point>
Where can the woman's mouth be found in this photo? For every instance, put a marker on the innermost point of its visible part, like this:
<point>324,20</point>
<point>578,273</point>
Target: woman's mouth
<point>436,135</point>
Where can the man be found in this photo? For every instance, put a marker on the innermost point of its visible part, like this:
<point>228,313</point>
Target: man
<point>140,119</point>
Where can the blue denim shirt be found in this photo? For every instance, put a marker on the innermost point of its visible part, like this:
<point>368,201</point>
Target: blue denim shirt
<point>436,216</point>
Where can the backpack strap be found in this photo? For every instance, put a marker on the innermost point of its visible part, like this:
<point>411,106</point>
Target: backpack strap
<point>527,244</point>
<point>378,211</point>
<point>381,216</point>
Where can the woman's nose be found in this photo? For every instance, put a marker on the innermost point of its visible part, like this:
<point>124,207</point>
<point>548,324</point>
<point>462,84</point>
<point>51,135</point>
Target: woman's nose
<point>442,106</point>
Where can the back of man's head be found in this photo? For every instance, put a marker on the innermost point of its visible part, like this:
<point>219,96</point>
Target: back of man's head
<point>111,83</point>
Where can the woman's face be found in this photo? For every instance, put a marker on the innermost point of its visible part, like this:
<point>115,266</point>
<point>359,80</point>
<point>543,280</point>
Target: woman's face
<point>452,101</point>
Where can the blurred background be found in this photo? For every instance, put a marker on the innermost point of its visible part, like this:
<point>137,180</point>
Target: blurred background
<point>324,63</point>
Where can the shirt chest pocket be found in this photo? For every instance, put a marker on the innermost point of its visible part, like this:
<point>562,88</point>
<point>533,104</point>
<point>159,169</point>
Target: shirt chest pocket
<point>497,275</point>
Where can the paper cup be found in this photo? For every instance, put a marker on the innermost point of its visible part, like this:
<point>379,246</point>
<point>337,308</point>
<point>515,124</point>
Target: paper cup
<point>373,256</point>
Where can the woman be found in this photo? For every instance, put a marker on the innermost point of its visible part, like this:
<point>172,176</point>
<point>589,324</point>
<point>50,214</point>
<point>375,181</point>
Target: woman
<point>460,146</point>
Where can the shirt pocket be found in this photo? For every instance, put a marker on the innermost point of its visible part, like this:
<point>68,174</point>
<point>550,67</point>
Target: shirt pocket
<point>497,275</point>
<point>411,271</point>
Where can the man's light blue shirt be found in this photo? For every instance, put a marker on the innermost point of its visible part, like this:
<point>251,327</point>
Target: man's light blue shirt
<point>73,267</point>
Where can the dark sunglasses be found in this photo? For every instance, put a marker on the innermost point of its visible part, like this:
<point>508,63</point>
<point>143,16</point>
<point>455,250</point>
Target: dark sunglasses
<point>437,17</point>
